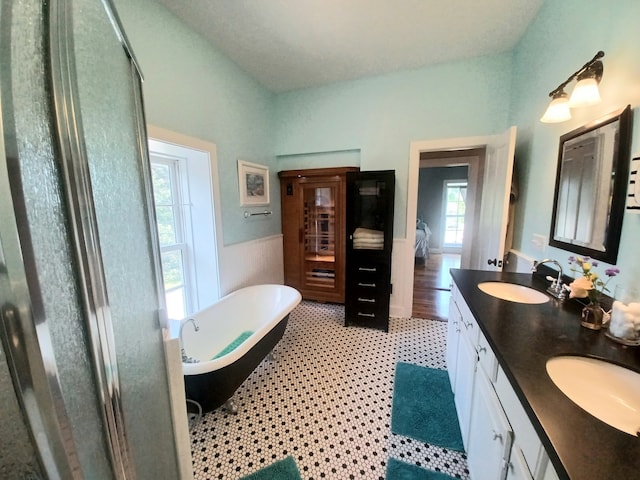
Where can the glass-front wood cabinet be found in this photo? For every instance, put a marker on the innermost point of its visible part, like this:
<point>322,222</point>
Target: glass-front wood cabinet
<point>313,228</point>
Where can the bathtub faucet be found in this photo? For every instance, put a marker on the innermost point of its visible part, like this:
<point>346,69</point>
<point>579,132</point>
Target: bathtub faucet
<point>186,358</point>
<point>188,320</point>
<point>556,288</point>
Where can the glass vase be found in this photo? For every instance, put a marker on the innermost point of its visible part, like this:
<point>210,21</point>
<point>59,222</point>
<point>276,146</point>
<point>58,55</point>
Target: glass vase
<point>592,316</point>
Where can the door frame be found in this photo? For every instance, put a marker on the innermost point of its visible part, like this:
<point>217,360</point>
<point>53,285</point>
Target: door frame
<point>415,149</point>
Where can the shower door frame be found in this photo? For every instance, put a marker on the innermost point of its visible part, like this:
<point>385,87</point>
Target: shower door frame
<point>83,223</point>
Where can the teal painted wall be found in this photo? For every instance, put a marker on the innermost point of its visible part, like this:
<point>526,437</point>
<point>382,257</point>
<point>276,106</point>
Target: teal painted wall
<point>565,35</point>
<point>382,115</point>
<point>191,88</point>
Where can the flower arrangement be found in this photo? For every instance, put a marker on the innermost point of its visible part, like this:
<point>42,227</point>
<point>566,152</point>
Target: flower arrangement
<point>589,285</point>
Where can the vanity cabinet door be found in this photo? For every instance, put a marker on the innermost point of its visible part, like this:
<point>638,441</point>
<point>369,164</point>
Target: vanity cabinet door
<point>486,358</point>
<point>465,363</point>
<point>490,435</point>
<point>549,473</point>
<point>518,469</point>
<point>464,380</point>
<point>526,440</point>
<point>453,335</point>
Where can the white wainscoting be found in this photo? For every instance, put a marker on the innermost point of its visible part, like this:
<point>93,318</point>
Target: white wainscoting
<point>261,261</point>
<point>251,263</point>
<point>401,279</point>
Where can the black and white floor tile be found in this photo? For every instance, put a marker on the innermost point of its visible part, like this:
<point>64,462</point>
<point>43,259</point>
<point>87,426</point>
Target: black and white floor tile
<point>325,400</point>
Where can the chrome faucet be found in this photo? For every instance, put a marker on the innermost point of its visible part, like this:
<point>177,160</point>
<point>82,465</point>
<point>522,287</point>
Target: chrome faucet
<point>186,358</point>
<point>556,289</point>
<point>188,320</point>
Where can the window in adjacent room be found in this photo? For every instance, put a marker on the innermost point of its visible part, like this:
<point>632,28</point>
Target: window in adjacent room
<point>455,194</point>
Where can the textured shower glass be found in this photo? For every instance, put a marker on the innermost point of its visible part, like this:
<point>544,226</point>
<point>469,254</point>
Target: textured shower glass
<point>18,458</point>
<point>51,273</point>
<point>106,86</point>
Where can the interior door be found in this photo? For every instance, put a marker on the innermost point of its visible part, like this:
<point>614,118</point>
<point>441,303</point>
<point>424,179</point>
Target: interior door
<point>488,248</point>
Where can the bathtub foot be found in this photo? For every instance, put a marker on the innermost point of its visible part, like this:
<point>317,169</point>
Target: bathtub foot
<point>230,407</point>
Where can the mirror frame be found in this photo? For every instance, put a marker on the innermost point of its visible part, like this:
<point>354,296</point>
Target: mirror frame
<point>618,195</point>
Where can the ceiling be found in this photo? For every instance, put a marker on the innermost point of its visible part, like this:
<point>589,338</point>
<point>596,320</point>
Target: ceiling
<point>291,44</point>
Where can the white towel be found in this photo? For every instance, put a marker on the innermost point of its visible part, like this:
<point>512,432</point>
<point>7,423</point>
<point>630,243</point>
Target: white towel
<point>368,244</point>
<point>368,241</point>
<point>368,247</point>
<point>367,233</point>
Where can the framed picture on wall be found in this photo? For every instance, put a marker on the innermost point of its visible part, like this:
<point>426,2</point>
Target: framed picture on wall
<point>254,183</point>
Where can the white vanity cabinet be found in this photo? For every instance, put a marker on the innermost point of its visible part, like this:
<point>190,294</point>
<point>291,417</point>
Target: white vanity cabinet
<point>490,435</point>
<point>529,459</point>
<point>498,436</point>
<point>465,363</point>
<point>453,335</point>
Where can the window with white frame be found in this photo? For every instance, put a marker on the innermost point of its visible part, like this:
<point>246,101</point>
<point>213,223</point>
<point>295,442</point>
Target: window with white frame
<point>174,245</point>
<point>185,187</point>
<point>455,195</point>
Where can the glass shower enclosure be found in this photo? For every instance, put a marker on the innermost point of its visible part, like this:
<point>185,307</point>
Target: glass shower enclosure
<point>82,354</point>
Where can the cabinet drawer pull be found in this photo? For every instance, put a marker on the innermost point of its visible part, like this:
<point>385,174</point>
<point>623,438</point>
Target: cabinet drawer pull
<point>360,284</point>
<point>367,269</point>
<point>371,315</point>
<point>370,300</point>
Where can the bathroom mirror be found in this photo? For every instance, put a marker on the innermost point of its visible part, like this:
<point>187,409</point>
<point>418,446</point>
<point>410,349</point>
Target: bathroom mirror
<point>591,181</point>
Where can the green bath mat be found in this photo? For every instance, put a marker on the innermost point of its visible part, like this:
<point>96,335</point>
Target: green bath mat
<point>397,470</point>
<point>232,346</point>
<point>423,406</point>
<point>281,470</point>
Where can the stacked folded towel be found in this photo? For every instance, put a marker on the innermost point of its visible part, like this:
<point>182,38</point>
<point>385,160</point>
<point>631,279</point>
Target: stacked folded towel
<point>367,239</point>
<point>369,191</point>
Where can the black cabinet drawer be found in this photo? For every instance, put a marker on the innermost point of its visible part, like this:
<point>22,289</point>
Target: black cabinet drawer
<point>360,314</point>
<point>367,310</point>
<point>369,287</point>
<point>368,275</point>
<point>364,266</point>
<point>369,306</point>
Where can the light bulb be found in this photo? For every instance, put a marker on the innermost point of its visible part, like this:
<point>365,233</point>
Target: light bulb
<point>585,93</point>
<point>558,110</point>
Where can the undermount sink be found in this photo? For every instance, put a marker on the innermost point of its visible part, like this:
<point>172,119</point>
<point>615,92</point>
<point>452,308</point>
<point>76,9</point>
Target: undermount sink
<point>513,292</point>
<point>607,391</point>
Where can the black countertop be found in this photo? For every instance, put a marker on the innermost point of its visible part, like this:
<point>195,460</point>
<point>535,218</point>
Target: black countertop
<point>523,338</point>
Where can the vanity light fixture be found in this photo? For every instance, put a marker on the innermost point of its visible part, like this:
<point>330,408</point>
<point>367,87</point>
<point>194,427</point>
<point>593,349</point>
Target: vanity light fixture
<point>585,92</point>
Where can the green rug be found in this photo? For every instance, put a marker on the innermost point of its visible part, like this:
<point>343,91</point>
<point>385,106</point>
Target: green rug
<point>281,470</point>
<point>423,407</point>
<point>397,470</point>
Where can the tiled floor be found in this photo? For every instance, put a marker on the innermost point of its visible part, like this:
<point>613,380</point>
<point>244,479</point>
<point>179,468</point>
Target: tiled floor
<point>325,400</point>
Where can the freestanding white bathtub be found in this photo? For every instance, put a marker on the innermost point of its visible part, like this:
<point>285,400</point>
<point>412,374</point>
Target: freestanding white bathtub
<point>234,335</point>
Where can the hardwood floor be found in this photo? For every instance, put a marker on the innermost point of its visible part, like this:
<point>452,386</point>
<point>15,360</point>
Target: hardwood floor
<point>431,286</point>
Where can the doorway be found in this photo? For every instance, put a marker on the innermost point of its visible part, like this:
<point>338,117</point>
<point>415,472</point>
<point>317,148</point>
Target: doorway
<point>488,191</point>
<point>443,209</point>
